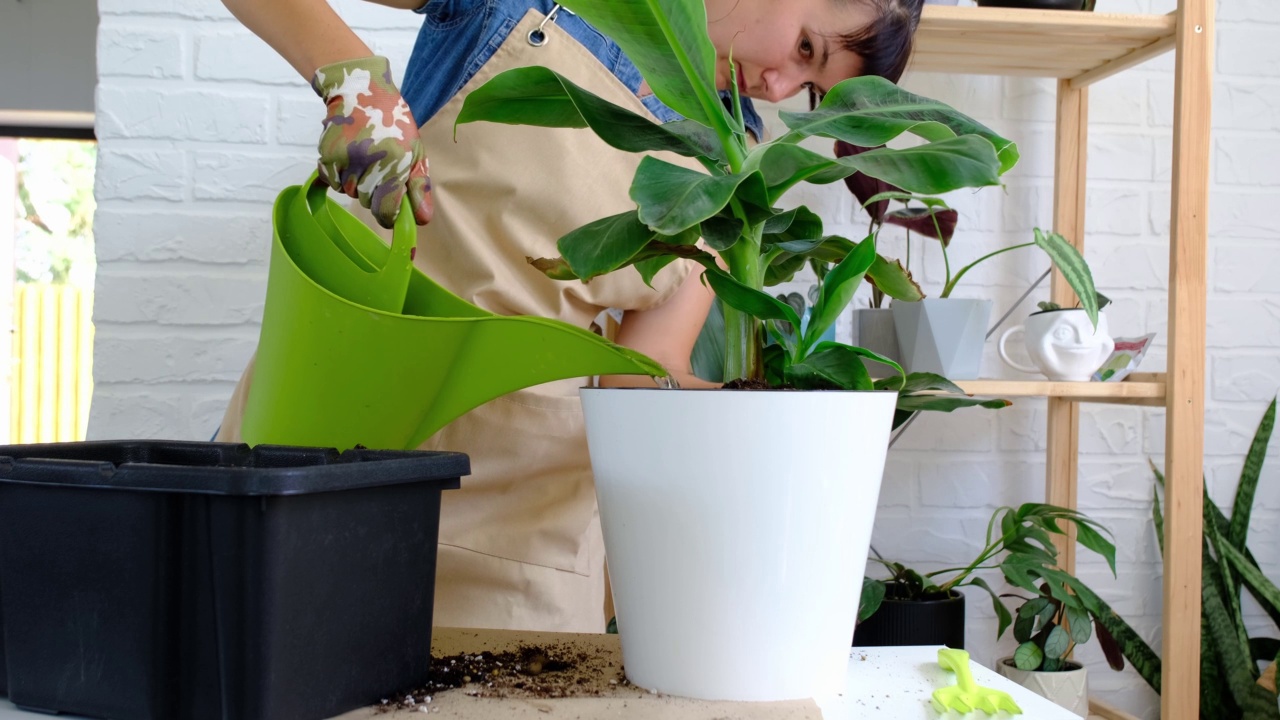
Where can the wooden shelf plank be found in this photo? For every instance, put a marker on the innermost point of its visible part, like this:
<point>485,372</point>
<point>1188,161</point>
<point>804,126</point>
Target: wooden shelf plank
<point>1040,43</point>
<point>1148,389</point>
<point>1106,711</point>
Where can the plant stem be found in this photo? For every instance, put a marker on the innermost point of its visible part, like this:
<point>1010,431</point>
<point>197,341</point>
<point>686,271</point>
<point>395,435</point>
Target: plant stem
<point>742,331</point>
<point>946,262</point>
<point>987,553</point>
<point>969,569</point>
<point>951,284</point>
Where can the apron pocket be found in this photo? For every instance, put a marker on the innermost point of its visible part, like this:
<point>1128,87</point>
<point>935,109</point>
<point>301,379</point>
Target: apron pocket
<point>530,495</point>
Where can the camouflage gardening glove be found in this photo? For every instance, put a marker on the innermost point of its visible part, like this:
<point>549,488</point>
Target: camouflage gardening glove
<point>370,148</point>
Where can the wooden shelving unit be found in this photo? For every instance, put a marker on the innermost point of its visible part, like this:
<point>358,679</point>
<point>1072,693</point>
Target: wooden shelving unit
<point>1079,49</point>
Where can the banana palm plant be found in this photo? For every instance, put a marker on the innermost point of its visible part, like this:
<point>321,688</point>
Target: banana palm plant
<point>725,216</point>
<point>1229,655</point>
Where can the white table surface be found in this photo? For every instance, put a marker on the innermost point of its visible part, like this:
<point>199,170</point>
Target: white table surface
<point>897,682</point>
<point>889,683</point>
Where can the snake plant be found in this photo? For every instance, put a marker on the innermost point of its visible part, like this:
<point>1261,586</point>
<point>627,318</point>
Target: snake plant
<point>1230,654</point>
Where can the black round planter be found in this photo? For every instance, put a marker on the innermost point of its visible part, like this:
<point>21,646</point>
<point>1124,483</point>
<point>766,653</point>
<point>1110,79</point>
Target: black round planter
<point>936,621</point>
<point>1034,4</point>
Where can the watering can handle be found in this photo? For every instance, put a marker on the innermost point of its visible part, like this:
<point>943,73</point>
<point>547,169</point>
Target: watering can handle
<point>404,234</point>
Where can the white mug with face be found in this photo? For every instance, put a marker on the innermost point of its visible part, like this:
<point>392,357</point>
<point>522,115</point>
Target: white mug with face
<point>1062,344</point>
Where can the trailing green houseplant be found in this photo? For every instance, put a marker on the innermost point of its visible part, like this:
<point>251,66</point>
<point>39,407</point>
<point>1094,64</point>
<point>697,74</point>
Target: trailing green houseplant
<point>1231,656</point>
<point>731,204</point>
<point>1019,543</point>
<point>932,218</point>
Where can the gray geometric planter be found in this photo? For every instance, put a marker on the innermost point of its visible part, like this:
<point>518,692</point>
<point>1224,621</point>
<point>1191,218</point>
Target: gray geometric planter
<point>942,335</point>
<point>873,329</point>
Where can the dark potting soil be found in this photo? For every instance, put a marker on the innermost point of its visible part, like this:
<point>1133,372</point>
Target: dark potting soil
<point>741,384</point>
<point>551,671</point>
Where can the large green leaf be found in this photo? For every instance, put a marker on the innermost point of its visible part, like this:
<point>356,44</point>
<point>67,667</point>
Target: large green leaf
<point>937,167</point>
<point>673,198</point>
<point>721,232</point>
<point>1242,510</point>
<point>1139,653</point>
<point>1003,617</point>
<point>1236,661</point>
<point>604,245</point>
<point>707,358</point>
<point>797,225</point>
<point>1023,628</point>
<point>894,280</point>
<point>1215,697</point>
<point>838,289</point>
<point>1229,593</point>
<point>1055,646</point>
<point>1074,269</point>
<point>1028,656</point>
<point>947,403</point>
<point>871,111</point>
<point>1223,525</point>
<point>1267,593</point>
<point>894,381</point>
<point>541,97</point>
<point>1092,539</point>
<point>1110,648</point>
<point>649,267</point>
<point>667,40</point>
<point>748,300</point>
<point>922,382</point>
<point>783,268</point>
<point>1157,519</point>
<point>1081,627</point>
<point>833,366</point>
<point>941,166</point>
<point>872,597</point>
<point>782,165</point>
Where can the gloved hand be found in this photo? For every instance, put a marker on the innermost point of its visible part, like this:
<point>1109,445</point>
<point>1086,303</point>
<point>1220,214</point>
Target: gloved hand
<point>370,148</point>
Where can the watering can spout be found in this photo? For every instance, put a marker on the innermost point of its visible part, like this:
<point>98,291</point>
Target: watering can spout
<point>512,353</point>
<point>359,347</point>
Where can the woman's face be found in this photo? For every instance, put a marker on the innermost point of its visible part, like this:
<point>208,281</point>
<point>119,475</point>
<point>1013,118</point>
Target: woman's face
<point>780,46</point>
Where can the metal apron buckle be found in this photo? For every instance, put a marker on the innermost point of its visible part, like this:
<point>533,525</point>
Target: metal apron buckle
<point>537,37</point>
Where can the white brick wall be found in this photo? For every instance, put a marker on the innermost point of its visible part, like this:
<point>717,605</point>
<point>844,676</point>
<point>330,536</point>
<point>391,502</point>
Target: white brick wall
<point>201,124</point>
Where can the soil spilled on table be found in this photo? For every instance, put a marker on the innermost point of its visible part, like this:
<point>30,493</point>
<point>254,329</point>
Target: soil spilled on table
<point>529,671</point>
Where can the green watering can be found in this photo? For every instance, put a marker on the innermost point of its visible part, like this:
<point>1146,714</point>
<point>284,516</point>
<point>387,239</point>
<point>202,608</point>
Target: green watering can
<point>360,347</point>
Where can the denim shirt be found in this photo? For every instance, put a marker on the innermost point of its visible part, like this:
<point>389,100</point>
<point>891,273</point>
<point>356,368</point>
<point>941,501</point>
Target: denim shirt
<point>459,36</point>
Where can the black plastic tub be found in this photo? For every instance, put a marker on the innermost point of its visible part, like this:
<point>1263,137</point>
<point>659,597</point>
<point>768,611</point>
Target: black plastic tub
<point>899,622</point>
<point>4,675</point>
<point>203,581</point>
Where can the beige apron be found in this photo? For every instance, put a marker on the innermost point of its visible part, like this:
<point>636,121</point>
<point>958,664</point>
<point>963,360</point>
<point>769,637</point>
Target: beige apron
<point>520,542</point>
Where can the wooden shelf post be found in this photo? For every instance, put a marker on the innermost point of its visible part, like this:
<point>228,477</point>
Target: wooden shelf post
<point>1184,431</point>
<point>1063,432</point>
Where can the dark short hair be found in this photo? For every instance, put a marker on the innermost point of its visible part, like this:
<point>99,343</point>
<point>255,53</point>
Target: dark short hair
<point>885,45</point>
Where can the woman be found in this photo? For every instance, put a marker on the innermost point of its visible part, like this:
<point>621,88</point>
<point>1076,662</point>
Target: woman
<point>520,543</point>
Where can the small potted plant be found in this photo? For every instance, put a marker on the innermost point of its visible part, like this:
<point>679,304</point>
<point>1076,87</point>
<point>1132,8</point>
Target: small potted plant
<point>1061,342</point>
<point>928,609</point>
<point>942,335</point>
<point>1048,626</point>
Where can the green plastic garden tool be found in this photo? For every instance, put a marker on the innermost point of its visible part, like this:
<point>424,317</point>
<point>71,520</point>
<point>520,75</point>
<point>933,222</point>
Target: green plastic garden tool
<point>966,695</point>
<point>359,347</point>
<point>330,257</point>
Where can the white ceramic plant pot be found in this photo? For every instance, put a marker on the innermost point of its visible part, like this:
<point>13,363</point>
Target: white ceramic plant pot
<point>736,524</point>
<point>1062,344</point>
<point>942,335</point>
<point>1068,688</point>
